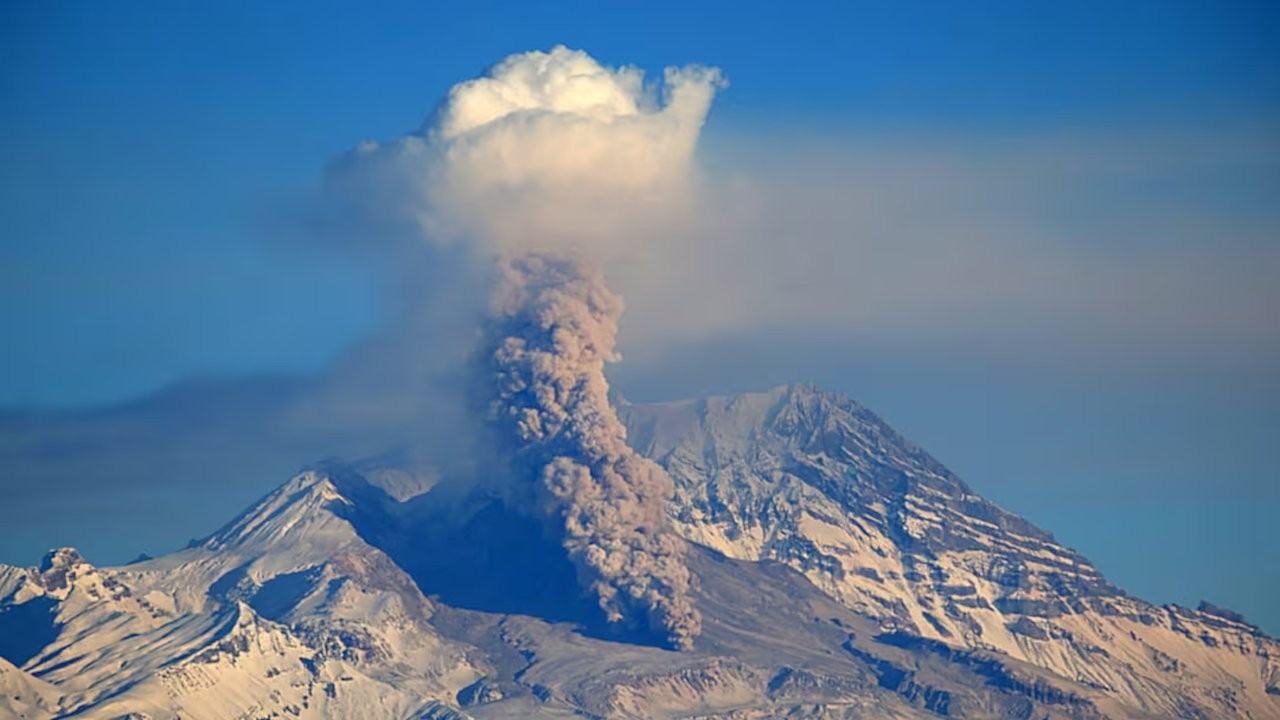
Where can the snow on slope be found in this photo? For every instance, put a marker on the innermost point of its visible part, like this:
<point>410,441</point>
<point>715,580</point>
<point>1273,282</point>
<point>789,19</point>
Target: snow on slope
<point>24,696</point>
<point>862,579</point>
<point>820,483</point>
<point>285,609</point>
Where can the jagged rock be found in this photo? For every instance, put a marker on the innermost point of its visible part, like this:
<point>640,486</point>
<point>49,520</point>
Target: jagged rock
<point>841,573</point>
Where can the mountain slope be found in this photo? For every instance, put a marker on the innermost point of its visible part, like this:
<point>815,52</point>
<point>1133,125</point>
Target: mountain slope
<point>271,613</point>
<point>841,573</point>
<point>818,482</point>
<point>24,696</point>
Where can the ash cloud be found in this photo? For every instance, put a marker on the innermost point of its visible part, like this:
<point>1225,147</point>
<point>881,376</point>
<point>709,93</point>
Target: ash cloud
<point>553,327</point>
<point>525,180</point>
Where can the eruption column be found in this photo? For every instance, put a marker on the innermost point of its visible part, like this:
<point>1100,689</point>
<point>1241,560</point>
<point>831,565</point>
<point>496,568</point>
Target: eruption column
<point>552,329</point>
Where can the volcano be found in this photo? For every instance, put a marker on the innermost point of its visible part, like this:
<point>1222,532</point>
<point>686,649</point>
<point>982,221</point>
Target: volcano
<point>838,570</point>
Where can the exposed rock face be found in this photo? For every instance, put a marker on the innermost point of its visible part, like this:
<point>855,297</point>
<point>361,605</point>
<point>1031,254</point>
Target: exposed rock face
<point>841,573</point>
<point>276,612</point>
<point>820,483</point>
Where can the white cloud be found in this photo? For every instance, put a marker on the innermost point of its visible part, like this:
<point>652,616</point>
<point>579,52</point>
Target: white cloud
<point>547,149</point>
<point>1123,247</point>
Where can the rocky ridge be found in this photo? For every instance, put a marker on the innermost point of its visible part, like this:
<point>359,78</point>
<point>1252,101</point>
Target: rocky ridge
<point>841,573</point>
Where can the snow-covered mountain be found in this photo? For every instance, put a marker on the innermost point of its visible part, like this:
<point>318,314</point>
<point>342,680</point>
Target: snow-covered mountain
<point>841,573</point>
<point>823,485</point>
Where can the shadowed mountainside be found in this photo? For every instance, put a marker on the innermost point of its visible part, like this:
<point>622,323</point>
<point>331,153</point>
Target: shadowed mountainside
<point>840,571</point>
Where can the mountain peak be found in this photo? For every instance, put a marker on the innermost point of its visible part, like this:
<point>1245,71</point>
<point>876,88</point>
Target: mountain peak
<point>59,558</point>
<point>890,588</point>
<point>304,505</point>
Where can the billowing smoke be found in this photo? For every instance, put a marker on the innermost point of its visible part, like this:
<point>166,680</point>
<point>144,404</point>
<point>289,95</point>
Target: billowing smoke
<point>547,150</point>
<point>547,166</point>
<point>552,329</point>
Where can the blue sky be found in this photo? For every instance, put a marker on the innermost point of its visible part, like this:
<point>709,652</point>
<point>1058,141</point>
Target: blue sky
<point>152,155</point>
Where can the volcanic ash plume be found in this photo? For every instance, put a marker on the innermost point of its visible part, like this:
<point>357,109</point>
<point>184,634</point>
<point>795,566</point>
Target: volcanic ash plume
<point>552,330</point>
<point>547,149</point>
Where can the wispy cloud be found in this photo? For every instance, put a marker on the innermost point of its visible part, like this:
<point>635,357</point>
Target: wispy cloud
<point>1131,247</point>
